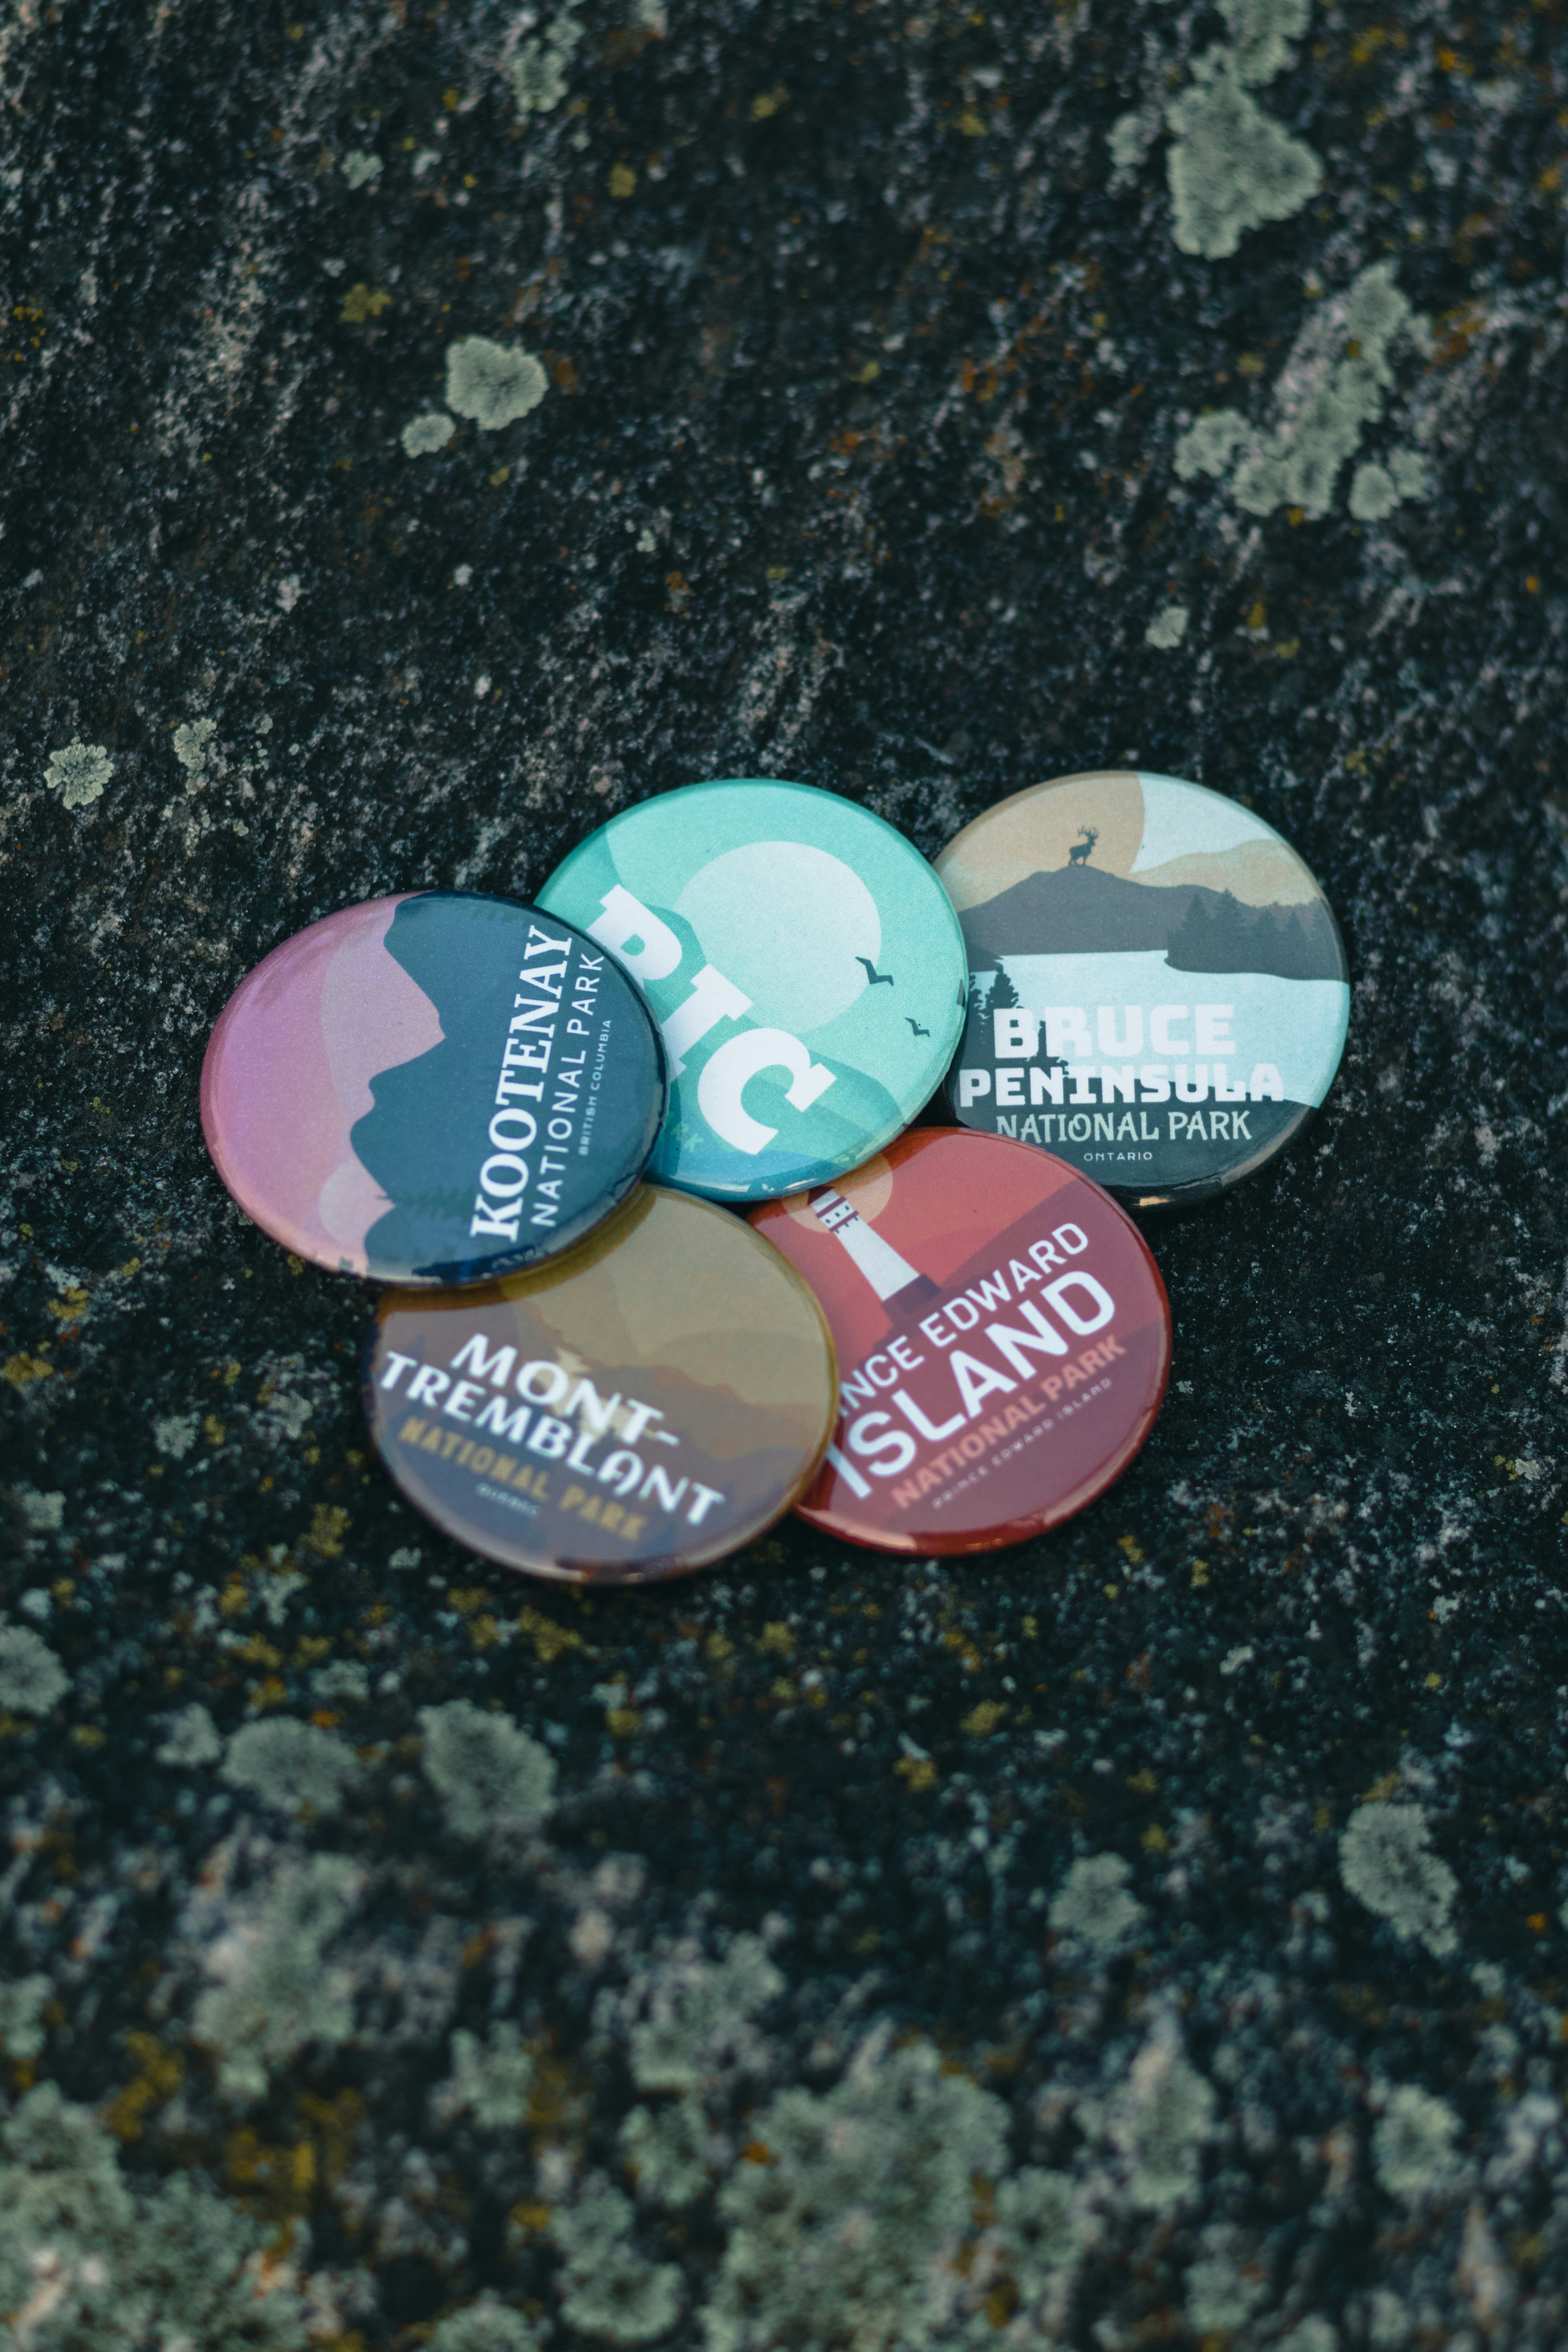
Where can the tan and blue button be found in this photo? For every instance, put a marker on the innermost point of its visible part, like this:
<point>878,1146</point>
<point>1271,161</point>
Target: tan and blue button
<point>1157,987</point>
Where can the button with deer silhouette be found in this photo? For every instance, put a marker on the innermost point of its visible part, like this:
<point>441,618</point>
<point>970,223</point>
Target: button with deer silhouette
<point>1003,1337</point>
<point>432,1087</point>
<point>638,1407</point>
<point>804,966</point>
<point>1157,987</point>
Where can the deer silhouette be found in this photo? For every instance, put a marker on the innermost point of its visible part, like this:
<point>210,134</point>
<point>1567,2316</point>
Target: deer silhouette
<point>1079,853</point>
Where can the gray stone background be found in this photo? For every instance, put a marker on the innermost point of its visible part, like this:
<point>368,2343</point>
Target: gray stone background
<point>430,429</point>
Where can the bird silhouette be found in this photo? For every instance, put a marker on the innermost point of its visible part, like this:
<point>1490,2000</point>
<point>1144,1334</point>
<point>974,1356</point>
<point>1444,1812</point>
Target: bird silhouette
<point>916,1027</point>
<point>878,979</point>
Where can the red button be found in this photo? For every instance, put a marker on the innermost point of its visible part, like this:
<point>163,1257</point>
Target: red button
<point>1003,1334</point>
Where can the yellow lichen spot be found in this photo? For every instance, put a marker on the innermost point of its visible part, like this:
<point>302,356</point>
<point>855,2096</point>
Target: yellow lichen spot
<point>970,124</point>
<point>1257,620</point>
<point>1294,515</point>
<point>502,474</point>
<point>1200,1571</point>
<point>622,1721</point>
<point>296,1264</point>
<point>88,1734</point>
<point>769,102</point>
<point>1323,1819</point>
<point>213,1430</point>
<point>272,1691</point>
<point>1112,1592</point>
<point>22,1369</point>
<point>230,1373</point>
<point>549,1639</point>
<point>917,1771</point>
<point>158,2074</point>
<point>622,180</point>
<point>982,1720</point>
<point>234,1596</point>
<point>1128,1544</point>
<point>783,1690</point>
<point>1434,1682</point>
<point>362,302</point>
<point>1250,363</point>
<point>449,100</point>
<point>532,2218</point>
<point>1288,649</point>
<point>1154,1841</point>
<point>778,572</point>
<point>870,373</point>
<point>67,1310</point>
<point>717,1650</point>
<point>131,1266</point>
<point>328,1525</point>
<point>1532,585</point>
<point>465,1601</point>
<point>1145,1782</point>
<point>776,1640</point>
<point>1031,1629</point>
<point>484,1633</point>
<point>1381,1791</point>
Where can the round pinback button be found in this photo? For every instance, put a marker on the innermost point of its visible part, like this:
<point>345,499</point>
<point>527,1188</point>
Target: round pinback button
<point>432,1087</point>
<point>638,1408</point>
<point>1157,987</point>
<point>804,966</point>
<point>1003,1335</point>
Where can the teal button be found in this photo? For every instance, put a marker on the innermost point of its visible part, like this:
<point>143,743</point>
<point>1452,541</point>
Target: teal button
<point>804,963</point>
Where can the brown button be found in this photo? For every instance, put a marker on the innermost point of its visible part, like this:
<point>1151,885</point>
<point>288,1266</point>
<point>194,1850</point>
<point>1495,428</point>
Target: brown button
<point>640,1406</point>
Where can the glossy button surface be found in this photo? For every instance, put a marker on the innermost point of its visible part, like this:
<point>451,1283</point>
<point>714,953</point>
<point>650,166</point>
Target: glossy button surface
<point>432,1087</point>
<point>638,1408</point>
<point>802,961</point>
<point>1157,987</point>
<point>1003,1335</point>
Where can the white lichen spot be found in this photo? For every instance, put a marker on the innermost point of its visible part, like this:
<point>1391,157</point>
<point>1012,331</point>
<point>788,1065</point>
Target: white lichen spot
<point>22,2000</point>
<point>1224,2285</point>
<point>344,1678</point>
<point>190,1737</point>
<point>287,591</point>
<point>288,1764</point>
<point>1168,627</point>
<point>1386,1863</point>
<point>32,1679</point>
<point>698,2015</point>
<point>1232,167</point>
<point>462,575</point>
<point>539,69</point>
<point>91,2256</point>
<point>848,2232</point>
<point>45,1514</point>
<point>490,2080</point>
<point>1313,2334</point>
<point>491,384</point>
<point>360,169</point>
<point>406,1558</point>
<point>1161,2121</point>
<point>1377,489</point>
<point>493,1779</point>
<point>190,742</point>
<point>1094,1904</point>
<point>1413,2146</point>
<point>79,772</point>
<point>275,1990</point>
<point>175,1435</point>
<point>423,435</point>
<point>486,2326</point>
<point>666,2151</point>
<point>1039,2230</point>
<point>611,2292</point>
<point>1330,389</point>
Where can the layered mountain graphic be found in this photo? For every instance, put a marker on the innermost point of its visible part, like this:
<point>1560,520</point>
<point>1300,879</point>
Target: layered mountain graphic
<point>1078,910</point>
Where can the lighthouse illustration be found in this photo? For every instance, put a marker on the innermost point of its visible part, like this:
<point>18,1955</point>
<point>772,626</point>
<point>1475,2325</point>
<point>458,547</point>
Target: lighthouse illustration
<point>875,1260</point>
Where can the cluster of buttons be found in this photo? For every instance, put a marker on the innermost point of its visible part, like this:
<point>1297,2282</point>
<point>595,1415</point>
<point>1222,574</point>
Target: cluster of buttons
<point>536,1122</point>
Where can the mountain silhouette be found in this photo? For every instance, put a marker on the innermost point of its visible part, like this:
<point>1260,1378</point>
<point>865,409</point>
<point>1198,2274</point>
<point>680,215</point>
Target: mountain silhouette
<point>1080,911</point>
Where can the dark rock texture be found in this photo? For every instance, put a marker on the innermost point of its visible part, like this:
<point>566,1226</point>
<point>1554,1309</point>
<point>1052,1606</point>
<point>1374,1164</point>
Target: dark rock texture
<point>1153,1935</point>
